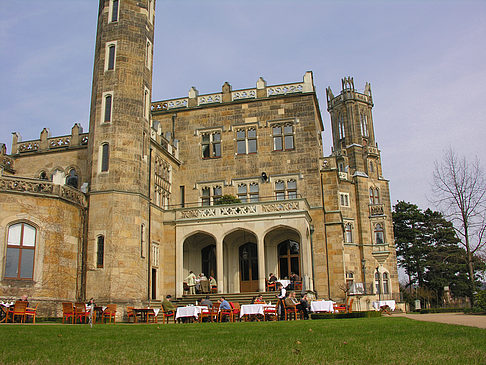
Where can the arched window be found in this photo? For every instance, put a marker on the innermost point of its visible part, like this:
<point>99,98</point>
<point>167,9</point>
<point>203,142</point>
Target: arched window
<point>100,251</point>
<point>377,282</point>
<point>288,258</point>
<point>108,106</point>
<point>111,57</point>
<point>371,196</point>
<point>379,236</point>
<point>341,128</point>
<point>72,178</point>
<point>43,175</point>
<point>21,241</point>
<point>364,124</point>
<point>386,288</point>
<point>105,157</point>
<point>349,232</point>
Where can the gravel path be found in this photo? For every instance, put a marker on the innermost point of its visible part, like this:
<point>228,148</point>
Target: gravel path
<point>450,318</point>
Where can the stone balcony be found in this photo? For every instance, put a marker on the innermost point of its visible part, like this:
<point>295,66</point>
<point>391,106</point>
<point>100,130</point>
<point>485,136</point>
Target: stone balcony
<point>381,252</point>
<point>42,188</point>
<point>377,210</point>
<point>243,210</point>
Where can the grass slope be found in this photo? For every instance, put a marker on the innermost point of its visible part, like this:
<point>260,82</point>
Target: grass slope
<point>351,341</point>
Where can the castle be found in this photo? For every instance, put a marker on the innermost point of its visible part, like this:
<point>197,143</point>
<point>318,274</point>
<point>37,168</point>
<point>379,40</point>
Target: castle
<point>123,212</point>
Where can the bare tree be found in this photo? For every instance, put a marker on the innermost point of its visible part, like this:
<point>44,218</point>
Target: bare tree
<point>459,191</point>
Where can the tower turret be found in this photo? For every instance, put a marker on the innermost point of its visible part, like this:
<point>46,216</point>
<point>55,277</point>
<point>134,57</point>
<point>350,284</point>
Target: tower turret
<point>119,149</point>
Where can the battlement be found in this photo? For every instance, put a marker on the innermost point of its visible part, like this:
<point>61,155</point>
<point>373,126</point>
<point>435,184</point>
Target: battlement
<point>227,95</point>
<point>348,92</point>
<point>46,143</point>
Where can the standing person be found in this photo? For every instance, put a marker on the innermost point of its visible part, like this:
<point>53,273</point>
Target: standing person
<point>303,306</point>
<point>282,293</point>
<point>191,282</point>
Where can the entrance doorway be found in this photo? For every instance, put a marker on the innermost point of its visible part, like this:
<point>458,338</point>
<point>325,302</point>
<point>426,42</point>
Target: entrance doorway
<point>154,283</point>
<point>248,267</point>
<point>208,264</point>
<point>288,258</point>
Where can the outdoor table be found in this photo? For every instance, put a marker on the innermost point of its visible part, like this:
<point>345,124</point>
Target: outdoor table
<point>3,310</point>
<point>391,303</point>
<point>322,306</point>
<point>190,311</point>
<point>284,283</point>
<point>144,313</point>
<point>254,309</point>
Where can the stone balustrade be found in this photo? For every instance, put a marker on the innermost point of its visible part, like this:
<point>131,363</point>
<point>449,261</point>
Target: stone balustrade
<point>228,95</point>
<point>377,210</point>
<point>45,143</point>
<point>42,187</point>
<point>242,210</point>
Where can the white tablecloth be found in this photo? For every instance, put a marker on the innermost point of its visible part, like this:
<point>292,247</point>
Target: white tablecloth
<point>254,309</point>
<point>390,303</point>
<point>284,282</point>
<point>190,311</point>
<point>322,306</point>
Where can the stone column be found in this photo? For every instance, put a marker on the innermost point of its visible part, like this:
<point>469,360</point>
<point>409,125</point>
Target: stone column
<point>219,264</point>
<point>179,269</point>
<point>261,263</point>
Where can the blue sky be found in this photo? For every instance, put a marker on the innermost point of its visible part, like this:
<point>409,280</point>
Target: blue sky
<point>425,61</point>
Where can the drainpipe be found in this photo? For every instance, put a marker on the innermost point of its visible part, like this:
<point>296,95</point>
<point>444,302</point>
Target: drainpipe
<point>312,254</point>
<point>149,224</point>
<point>84,252</point>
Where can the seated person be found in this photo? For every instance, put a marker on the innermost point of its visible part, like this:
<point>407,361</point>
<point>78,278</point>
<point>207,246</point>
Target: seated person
<point>224,304</point>
<point>212,281</point>
<point>207,302</point>
<point>272,278</point>
<point>291,301</point>
<point>167,305</point>
<point>303,306</point>
<point>259,300</point>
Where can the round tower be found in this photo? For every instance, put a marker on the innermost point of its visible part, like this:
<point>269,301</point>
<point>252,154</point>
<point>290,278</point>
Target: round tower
<point>115,257</point>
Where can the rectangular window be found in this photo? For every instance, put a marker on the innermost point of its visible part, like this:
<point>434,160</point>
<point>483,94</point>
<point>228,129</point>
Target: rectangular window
<point>146,104</point>
<point>206,197</point>
<point>110,55</point>
<point>241,142</point>
<point>105,157</point>
<point>108,106</point>
<point>148,56</point>
<point>142,241</point>
<point>100,251</point>
<point>211,195</point>
<point>280,190</point>
<point>286,189</point>
<point>254,192</point>
<point>292,189</point>
<point>183,195</point>
<point>283,137</point>
<point>344,199</point>
<point>242,192</point>
<point>114,11</point>
<point>246,141</point>
<point>211,145</point>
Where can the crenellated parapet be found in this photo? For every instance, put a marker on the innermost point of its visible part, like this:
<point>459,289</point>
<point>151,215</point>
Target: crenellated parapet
<point>46,143</point>
<point>227,95</point>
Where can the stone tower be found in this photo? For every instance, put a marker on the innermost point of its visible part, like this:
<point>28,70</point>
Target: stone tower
<point>367,214</point>
<point>116,264</point>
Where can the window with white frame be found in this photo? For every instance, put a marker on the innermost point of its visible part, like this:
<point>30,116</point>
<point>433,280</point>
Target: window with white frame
<point>162,182</point>
<point>114,11</point>
<point>19,260</point>
<point>146,104</point>
<point>107,107</point>
<point>211,144</point>
<point>344,199</point>
<point>155,254</point>
<point>349,280</point>
<point>142,240</point>
<point>210,195</point>
<point>286,189</point>
<point>363,119</point>
<point>246,141</point>
<point>151,11</point>
<point>248,192</point>
<point>377,282</point>
<point>283,137</point>
<point>348,232</point>
<point>110,56</point>
<point>379,234</point>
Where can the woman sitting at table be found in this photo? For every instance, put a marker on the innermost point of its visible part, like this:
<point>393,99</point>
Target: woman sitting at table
<point>259,300</point>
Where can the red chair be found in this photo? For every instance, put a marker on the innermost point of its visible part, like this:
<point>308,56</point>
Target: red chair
<point>110,313</point>
<point>67,312</point>
<point>270,313</point>
<point>80,312</point>
<point>167,315</point>
<point>205,313</point>
<point>225,312</point>
<point>32,312</point>
<point>131,314</point>
<point>235,310</point>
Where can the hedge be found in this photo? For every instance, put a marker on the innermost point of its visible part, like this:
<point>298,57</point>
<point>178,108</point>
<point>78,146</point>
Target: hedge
<point>441,310</point>
<point>366,314</point>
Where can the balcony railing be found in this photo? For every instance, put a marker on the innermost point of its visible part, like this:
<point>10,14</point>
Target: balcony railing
<point>243,209</point>
<point>42,187</point>
<point>377,210</point>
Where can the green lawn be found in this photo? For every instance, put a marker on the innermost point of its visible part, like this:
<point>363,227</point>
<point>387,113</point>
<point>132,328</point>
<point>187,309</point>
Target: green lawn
<point>333,341</point>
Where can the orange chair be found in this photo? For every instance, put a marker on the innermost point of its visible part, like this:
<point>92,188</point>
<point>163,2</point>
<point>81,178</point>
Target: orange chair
<point>80,312</point>
<point>290,311</point>
<point>205,313</point>
<point>214,289</point>
<point>215,312</point>
<point>270,313</point>
<point>131,314</point>
<point>167,315</point>
<point>270,286</point>
<point>235,310</point>
<point>29,311</point>
<point>18,310</point>
<point>110,313</point>
<point>225,312</point>
<point>67,311</point>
